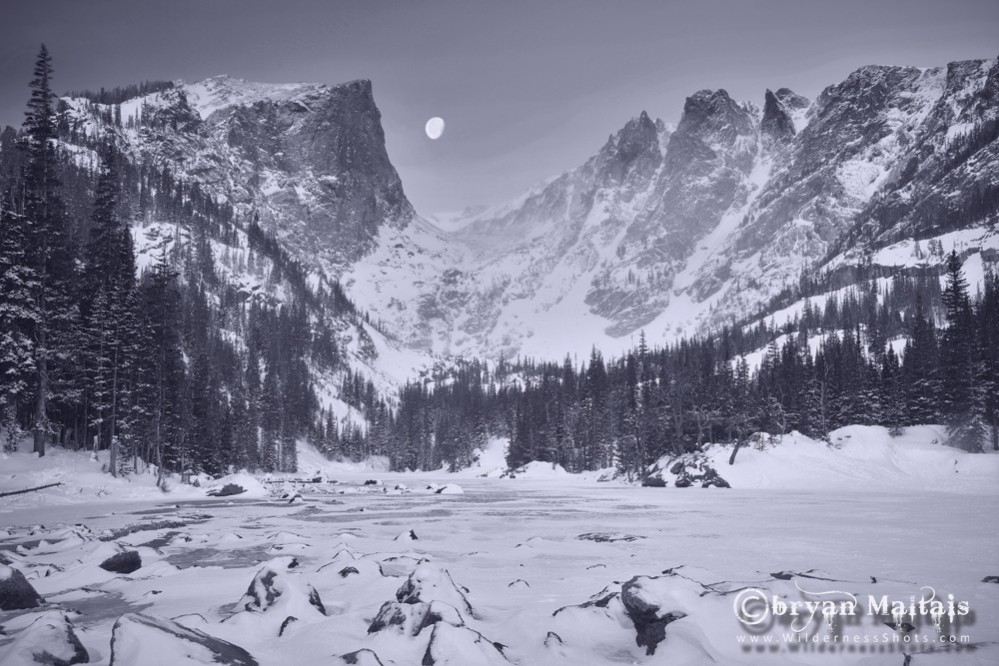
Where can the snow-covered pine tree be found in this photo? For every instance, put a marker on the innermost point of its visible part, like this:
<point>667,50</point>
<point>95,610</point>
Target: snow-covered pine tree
<point>48,253</point>
<point>920,363</point>
<point>892,394</point>
<point>963,395</point>
<point>18,316</point>
<point>163,366</point>
<point>988,317</point>
<point>110,310</point>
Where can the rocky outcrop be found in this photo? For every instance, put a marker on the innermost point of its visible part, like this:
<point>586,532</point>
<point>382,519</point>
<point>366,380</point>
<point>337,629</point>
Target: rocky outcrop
<point>15,590</point>
<point>125,562</point>
<point>647,613</point>
<point>413,617</point>
<point>685,471</point>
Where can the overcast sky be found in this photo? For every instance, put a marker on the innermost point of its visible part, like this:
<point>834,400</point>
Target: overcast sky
<point>528,88</point>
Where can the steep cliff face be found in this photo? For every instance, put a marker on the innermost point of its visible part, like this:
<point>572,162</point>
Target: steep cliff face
<point>307,160</point>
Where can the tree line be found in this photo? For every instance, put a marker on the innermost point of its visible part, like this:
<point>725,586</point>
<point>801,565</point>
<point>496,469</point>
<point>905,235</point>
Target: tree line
<point>875,357</point>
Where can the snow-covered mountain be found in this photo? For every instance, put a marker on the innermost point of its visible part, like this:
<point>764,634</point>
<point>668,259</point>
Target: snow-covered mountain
<point>305,162</point>
<point>667,230</point>
<point>676,230</point>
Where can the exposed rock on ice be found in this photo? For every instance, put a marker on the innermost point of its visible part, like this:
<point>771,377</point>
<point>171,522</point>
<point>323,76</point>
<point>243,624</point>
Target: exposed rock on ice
<point>648,612</point>
<point>412,618</point>
<point>15,590</point>
<point>123,563</point>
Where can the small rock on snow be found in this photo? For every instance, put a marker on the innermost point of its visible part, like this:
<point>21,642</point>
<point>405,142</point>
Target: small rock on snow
<point>363,657</point>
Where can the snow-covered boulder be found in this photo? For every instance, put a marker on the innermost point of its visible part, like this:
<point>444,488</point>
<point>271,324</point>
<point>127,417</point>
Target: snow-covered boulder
<point>689,469</point>
<point>49,640</point>
<point>15,590</point>
<point>227,490</point>
<point>650,611</point>
<point>645,603</point>
<point>412,618</point>
<point>152,641</point>
<point>432,583</point>
<point>461,646</point>
<point>272,590</point>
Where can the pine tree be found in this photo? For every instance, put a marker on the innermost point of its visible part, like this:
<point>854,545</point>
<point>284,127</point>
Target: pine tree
<point>962,392</point>
<point>18,316</point>
<point>164,370</point>
<point>988,332</point>
<point>270,423</point>
<point>49,254</point>
<point>920,362</point>
<point>892,394</point>
<point>109,311</point>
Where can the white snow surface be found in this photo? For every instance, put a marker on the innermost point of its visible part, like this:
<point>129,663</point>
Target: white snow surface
<point>515,561</point>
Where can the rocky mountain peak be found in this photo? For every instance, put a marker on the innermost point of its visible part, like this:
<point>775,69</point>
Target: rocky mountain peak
<point>306,159</point>
<point>639,136</point>
<point>777,124</point>
<point>713,116</point>
<point>792,100</point>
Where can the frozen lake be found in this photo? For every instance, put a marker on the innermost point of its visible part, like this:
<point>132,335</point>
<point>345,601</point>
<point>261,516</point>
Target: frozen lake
<point>525,549</point>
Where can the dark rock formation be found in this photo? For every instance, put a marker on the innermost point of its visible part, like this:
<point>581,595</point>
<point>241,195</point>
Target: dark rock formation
<point>650,618</point>
<point>412,618</point>
<point>15,590</point>
<point>123,563</point>
<point>226,490</point>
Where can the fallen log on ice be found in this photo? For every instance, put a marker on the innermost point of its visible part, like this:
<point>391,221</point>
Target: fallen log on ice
<point>30,490</point>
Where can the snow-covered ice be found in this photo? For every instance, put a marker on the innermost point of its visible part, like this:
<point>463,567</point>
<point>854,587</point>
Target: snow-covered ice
<point>544,568</point>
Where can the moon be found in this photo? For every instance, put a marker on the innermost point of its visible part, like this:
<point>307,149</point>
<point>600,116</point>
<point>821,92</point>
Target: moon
<point>435,127</point>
